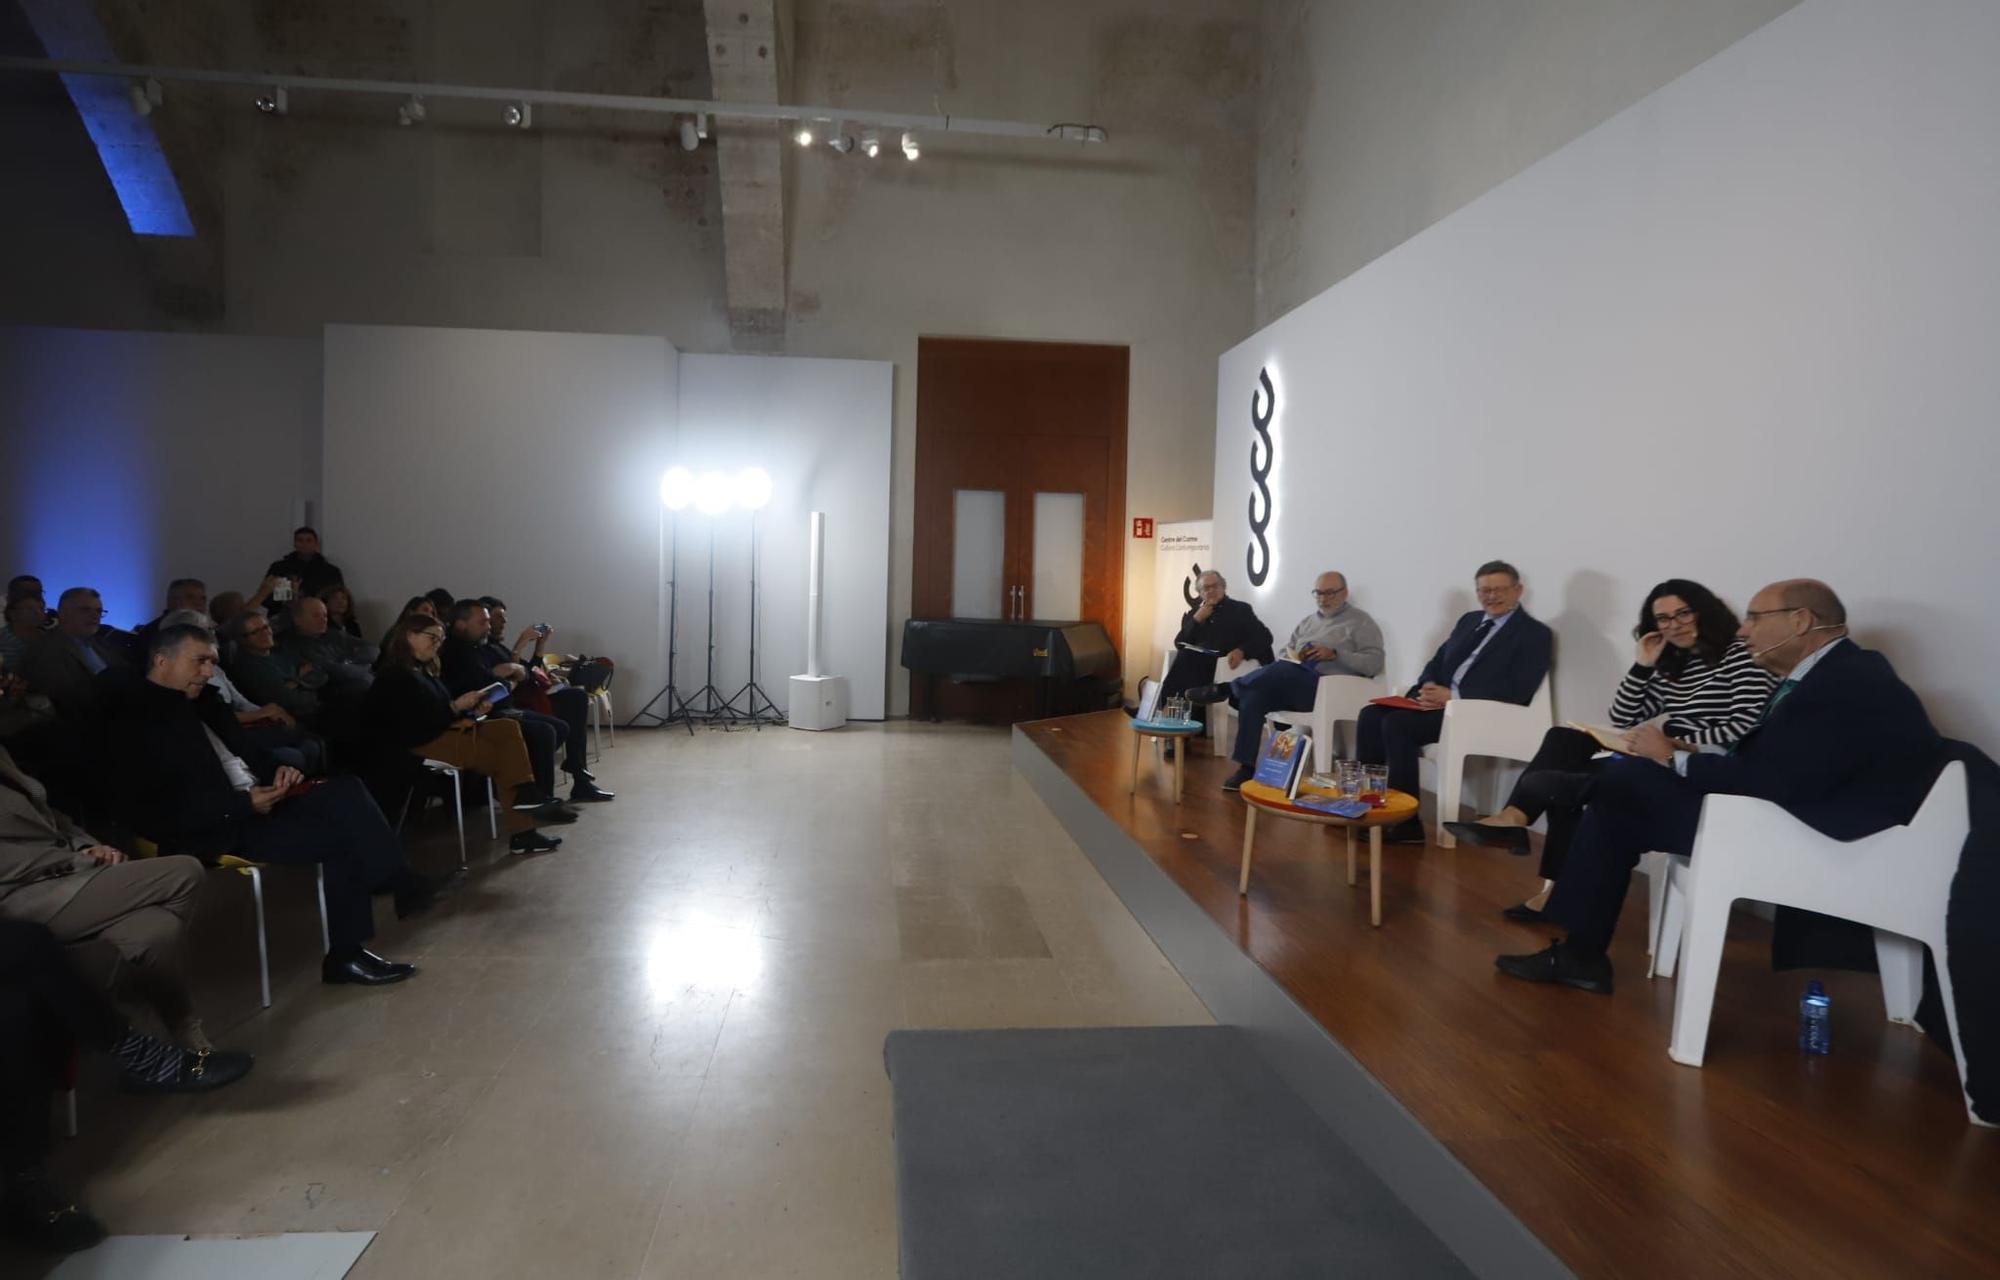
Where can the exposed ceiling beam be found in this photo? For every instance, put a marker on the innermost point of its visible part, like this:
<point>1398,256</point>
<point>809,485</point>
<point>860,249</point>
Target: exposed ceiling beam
<point>721,106</point>
<point>744,59</point>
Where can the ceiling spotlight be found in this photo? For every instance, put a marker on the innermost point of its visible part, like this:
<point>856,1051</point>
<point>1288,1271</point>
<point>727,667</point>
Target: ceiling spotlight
<point>274,102</point>
<point>841,142</point>
<point>753,488</point>
<point>690,133</point>
<point>910,148</point>
<point>676,488</point>
<point>701,124</point>
<point>871,143</point>
<point>1077,132</point>
<point>144,96</point>
<point>519,115</point>
<point>804,137</point>
<point>411,112</point>
<point>711,495</point>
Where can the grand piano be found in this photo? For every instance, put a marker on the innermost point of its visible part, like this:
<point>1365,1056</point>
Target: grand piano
<point>1067,663</point>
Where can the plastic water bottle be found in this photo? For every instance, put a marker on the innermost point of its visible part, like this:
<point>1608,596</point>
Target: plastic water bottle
<point>1815,1025</point>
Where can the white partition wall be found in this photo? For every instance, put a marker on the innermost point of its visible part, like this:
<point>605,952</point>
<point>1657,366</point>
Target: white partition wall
<point>522,465</point>
<point>821,428</point>
<point>1744,330</point>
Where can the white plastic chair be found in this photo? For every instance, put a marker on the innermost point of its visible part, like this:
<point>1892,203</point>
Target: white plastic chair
<point>457,809</point>
<point>1898,881</point>
<point>1482,727</point>
<point>1221,716</point>
<point>1338,698</point>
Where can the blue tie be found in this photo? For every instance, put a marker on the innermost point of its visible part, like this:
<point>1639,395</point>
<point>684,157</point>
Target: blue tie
<point>1777,696</point>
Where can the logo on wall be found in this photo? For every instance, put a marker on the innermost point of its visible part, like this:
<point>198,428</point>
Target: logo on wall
<point>1188,592</point>
<point>1258,555</point>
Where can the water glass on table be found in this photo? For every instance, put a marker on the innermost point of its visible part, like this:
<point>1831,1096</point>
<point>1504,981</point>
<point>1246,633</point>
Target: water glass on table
<point>1375,785</point>
<point>1350,780</point>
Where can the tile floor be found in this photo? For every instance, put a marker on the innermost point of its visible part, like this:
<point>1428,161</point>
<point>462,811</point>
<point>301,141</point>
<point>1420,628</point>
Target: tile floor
<point>657,1052</point>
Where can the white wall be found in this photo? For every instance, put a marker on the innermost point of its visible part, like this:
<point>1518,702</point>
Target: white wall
<point>522,465</point>
<point>821,428</point>
<point>1742,331</point>
<point>134,458</point>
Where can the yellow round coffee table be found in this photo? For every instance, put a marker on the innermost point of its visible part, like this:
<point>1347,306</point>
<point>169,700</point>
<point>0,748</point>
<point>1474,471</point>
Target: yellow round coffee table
<point>1397,806</point>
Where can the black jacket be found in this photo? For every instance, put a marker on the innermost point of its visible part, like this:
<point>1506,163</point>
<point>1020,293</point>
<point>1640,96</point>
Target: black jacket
<point>1849,752</point>
<point>462,666</point>
<point>1233,625</point>
<point>314,575</point>
<point>405,708</point>
<point>167,782</point>
<point>1510,668</point>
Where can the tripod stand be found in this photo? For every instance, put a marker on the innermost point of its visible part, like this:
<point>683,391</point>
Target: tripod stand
<point>758,709</point>
<point>677,709</point>
<point>708,704</point>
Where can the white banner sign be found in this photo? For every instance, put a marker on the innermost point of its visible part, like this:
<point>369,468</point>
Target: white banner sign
<point>1185,549</point>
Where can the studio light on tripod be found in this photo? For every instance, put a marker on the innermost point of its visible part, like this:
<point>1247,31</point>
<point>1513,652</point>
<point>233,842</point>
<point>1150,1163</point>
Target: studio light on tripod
<point>676,488</point>
<point>753,488</point>
<point>711,494</point>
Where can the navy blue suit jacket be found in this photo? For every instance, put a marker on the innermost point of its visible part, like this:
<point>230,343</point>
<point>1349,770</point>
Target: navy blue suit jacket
<point>1510,668</point>
<point>1849,752</point>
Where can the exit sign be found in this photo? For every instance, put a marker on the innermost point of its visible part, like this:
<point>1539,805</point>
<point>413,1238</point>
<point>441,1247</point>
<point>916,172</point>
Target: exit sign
<point>1142,527</point>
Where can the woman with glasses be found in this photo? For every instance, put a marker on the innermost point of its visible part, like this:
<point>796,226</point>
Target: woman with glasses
<point>1689,668</point>
<point>409,711</point>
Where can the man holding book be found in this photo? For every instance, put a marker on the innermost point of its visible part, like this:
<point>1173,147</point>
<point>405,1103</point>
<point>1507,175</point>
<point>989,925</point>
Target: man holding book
<point>1220,629</point>
<point>1335,639</point>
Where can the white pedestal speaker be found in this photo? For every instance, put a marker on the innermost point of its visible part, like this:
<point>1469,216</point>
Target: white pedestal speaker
<point>818,701</point>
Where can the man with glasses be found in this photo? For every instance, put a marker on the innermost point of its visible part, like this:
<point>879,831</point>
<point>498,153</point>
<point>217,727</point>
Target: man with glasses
<point>1844,746</point>
<point>1335,639</point>
<point>268,675</point>
<point>1219,629</point>
<point>1496,652</point>
<point>65,663</point>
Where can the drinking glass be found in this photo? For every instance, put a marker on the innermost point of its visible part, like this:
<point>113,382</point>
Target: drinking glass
<point>1350,780</point>
<point>1375,784</point>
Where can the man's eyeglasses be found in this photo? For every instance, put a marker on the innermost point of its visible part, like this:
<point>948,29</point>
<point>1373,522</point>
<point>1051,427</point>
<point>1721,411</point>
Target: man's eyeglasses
<point>1329,594</point>
<point>1751,615</point>
<point>1675,618</point>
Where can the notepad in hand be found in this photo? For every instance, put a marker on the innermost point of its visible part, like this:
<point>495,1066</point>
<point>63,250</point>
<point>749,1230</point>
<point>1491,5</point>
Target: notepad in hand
<point>1614,740</point>
<point>1399,702</point>
<point>1195,648</point>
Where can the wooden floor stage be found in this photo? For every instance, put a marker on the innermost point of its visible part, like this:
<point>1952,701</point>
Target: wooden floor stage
<point>1764,1162</point>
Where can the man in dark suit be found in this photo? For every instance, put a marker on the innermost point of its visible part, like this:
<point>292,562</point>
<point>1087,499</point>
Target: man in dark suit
<point>65,662</point>
<point>186,777</point>
<point>1219,629</point>
<point>1497,653</point>
<point>1844,747</point>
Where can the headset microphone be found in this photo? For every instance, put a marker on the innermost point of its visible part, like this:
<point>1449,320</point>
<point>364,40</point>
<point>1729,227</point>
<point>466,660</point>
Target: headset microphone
<point>1773,648</point>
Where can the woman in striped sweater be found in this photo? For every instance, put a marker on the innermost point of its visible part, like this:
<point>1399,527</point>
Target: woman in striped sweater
<point>1688,668</point>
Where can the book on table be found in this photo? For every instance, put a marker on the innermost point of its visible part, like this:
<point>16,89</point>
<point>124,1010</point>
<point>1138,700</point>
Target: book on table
<point>1329,802</point>
<point>1283,759</point>
<point>1149,698</point>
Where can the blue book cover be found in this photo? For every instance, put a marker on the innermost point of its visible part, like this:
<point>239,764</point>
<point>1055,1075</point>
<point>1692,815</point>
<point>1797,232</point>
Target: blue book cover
<point>1283,756</point>
<point>1334,805</point>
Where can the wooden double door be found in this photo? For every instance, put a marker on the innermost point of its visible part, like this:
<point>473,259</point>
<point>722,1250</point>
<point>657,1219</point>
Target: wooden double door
<point>1020,496</point>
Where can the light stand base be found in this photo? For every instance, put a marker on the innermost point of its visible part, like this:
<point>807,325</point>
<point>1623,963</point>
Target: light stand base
<point>818,702</point>
<point>757,708</point>
<point>677,712</point>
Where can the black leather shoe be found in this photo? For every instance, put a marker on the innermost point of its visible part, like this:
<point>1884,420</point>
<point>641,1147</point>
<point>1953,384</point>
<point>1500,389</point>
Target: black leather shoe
<point>1235,781</point>
<point>1513,839</point>
<point>528,797</point>
<point>534,842</point>
<point>555,811</point>
<point>1557,963</point>
<point>1524,913</point>
<point>1410,832</point>
<point>379,965</point>
<point>587,792</point>
<point>35,1214</point>
<point>198,1073</point>
<point>362,972</point>
<point>1208,693</point>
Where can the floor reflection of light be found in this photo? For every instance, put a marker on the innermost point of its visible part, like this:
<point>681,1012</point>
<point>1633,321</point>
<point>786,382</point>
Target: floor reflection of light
<point>700,953</point>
